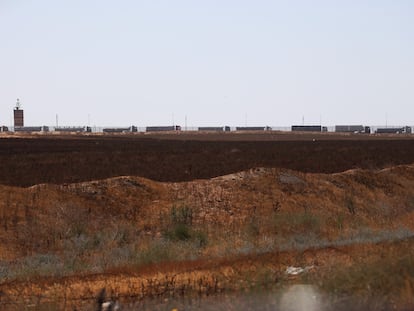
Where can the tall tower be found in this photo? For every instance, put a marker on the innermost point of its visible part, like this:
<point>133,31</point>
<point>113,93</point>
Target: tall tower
<point>18,115</point>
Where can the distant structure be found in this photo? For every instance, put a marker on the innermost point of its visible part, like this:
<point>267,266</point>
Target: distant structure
<point>211,129</point>
<point>74,129</point>
<point>163,128</point>
<point>355,129</point>
<point>18,115</point>
<point>309,128</point>
<point>31,129</point>
<point>394,130</point>
<point>131,129</point>
<point>253,128</point>
<point>349,128</point>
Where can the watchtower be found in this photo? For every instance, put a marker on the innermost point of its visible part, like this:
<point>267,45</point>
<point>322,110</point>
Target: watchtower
<point>18,115</point>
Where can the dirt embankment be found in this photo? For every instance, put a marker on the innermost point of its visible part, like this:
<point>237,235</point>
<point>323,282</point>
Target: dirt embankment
<point>208,214</point>
<point>141,238</point>
<point>271,201</point>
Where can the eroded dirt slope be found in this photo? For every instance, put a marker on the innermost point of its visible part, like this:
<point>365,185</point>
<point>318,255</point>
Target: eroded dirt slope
<point>38,218</point>
<point>135,236</point>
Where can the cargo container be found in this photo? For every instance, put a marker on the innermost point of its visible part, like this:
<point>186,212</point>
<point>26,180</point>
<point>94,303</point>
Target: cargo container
<point>31,129</point>
<point>349,129</point>
<point>391,130</point>
<point>74,129</point>
<point>131,129</point>
<point>251,128</point>
<point>163,128</point>
<point>308,128</point>
<point>210,129</point>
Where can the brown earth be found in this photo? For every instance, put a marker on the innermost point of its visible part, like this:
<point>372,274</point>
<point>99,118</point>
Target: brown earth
<point>31,160</point>
<point>143,238</point>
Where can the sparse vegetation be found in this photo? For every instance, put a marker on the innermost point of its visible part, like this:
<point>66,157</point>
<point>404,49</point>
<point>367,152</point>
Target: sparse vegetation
<point>299,222</point>
<point>181,215</point>
<point>179,227</point>
<point>386,278</point>
<point>350,204</point>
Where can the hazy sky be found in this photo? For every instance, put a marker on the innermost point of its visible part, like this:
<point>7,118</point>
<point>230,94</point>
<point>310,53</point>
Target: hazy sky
<point>218,62</point>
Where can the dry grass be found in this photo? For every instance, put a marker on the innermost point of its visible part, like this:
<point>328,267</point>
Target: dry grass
<point>126,224</point>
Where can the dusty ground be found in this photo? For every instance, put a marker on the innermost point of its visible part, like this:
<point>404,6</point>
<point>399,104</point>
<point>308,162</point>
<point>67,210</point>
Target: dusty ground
<point>27,161</point>
<point>179,234</point>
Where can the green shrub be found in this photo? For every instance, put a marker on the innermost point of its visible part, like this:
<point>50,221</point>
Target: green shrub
<point>200,238</point>
<point>181,232</point>
<point>350,204</point>
<point>182,215</point>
